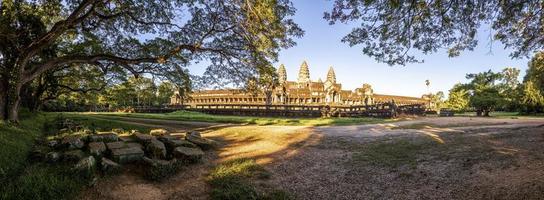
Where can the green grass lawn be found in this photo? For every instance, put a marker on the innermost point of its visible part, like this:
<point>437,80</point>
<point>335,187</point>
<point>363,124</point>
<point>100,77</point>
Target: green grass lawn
<point>23,179</point>
<point>101,124</point>
<point>196,116</point>
<point>501,114</point>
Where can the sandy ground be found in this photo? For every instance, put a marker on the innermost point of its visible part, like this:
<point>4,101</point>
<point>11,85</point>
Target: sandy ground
<point>475,158</point>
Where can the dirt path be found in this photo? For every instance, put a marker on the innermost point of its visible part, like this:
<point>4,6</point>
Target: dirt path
<point>484,159</point>
<point>452,158</point>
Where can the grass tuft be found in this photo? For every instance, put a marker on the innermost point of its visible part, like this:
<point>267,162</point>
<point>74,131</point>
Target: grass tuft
<point>234,180</point>
<point>394,154</point>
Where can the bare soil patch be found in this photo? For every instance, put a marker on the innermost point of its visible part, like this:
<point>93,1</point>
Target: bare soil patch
<point>374,162</point>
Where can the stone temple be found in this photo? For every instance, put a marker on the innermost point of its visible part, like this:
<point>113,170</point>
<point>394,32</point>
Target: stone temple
<point>303,91</point>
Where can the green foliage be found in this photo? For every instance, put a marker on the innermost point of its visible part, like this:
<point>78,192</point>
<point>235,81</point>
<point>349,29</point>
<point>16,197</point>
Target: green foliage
<point>165,91</point>
<point>486,92</point>
<point>510,88</point>
<point>109,40</point>
<point>486,99</point>
<point>390,30</point>
<point>437,100</point>
<point>458,98</point>
<point>533,85</point>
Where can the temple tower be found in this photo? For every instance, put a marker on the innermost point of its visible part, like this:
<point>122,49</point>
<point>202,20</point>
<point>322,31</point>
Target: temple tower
<point>330,90</point>
<point>303,73</point>
<point>331,77</point>
<point>282,74</point>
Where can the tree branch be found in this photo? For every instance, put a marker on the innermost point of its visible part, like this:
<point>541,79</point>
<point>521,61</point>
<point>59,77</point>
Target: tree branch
<point>77,59</point>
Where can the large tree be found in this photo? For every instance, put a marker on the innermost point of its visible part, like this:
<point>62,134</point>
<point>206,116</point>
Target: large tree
<point>238,37</point>
<point>533,85</point>
<point>392,30</point>
<point>458,98</point>
<point>484,91</point>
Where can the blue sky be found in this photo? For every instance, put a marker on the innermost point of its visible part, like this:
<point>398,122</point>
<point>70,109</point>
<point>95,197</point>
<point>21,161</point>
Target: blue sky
<point>321,48</point>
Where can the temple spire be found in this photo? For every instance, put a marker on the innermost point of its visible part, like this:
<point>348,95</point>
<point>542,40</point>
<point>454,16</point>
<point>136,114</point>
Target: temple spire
<point>331,77</point>
<point>282,74</point>
<point>304,73</point>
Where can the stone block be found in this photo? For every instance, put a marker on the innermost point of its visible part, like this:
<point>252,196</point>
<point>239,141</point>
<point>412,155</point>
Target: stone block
<point>52,157</point>
<point>116,145</point>
<point>158,132</point>
<point>194,134</point>
<point>104,137</point>
<point>117,130</point>
<point>203,143</point>
<point>156,149</point>
<point>172,144</point>
<point>97,148</point>
<point>72,142</point>
<point>109,167</point>
<point>127,155</point>
<point>86,166</point>
<point>52,143</point>
<point>143,138</point>
<point>127,139</point>
<point>73,155</point>
<point>166,138</point>
<point>186,153</point>
<point>134,144</point>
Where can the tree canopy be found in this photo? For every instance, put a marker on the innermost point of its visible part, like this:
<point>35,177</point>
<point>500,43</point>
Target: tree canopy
<point>391,30</point>
<point>532,88</point>
<point>158,37</point>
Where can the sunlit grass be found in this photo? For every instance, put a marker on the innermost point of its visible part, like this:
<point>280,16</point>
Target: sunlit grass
<point>196,116</point>
<point>391,154</point>
<point>233,180</point>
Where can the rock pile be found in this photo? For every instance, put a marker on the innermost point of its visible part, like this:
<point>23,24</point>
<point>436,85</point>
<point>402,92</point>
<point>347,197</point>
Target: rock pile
<point>108,151</point>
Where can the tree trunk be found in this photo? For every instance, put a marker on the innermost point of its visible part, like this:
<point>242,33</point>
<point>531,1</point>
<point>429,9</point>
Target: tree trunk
<point>268,97</point>
<point>486,112</point>
<point>478,112</point>
<point>14,100</point>
<point>3,97</point>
